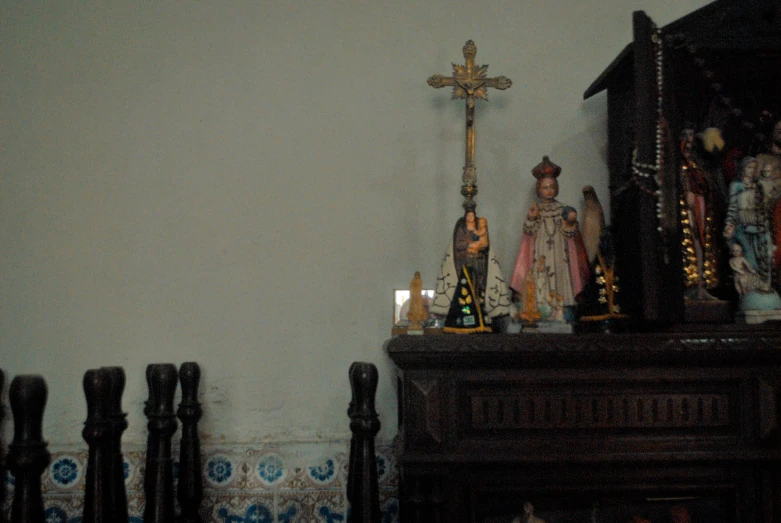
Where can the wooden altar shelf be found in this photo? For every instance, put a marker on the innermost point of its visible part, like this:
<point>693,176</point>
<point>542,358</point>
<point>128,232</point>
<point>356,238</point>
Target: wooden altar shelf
<point>489,421</point>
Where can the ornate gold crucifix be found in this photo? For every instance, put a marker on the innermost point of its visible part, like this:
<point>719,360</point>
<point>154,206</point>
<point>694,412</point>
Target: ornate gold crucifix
<point>470,81</point>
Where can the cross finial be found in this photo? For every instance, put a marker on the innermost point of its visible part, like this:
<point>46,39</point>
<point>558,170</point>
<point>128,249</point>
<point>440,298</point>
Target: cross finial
<point>469,81</point>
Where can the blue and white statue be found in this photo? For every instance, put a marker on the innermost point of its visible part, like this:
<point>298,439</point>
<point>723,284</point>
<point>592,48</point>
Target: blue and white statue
<point>748,234</point>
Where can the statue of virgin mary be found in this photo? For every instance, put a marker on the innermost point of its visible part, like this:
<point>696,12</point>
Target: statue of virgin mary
<point>470,290</point>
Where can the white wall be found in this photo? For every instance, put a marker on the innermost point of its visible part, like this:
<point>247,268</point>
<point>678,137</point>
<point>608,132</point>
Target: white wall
<point>244,183</point>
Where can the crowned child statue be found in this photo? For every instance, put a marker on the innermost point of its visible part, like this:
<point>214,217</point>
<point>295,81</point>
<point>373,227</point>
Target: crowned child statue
<point>551,253</point>
<point>471,290</point>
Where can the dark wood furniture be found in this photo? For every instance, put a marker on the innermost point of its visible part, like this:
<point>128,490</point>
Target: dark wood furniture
<point>2,454</point>
<point>105,497</point>
<point>159,479</point>
<point>190,488</point>
<point>362,488</point>
<point>28,455</point>
<point>97,432</point>
<point>487,422</point>
<point>715,67</point>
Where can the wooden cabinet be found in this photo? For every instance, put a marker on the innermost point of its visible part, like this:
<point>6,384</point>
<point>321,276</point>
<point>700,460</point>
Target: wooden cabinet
<point>709,69</point>
<point>584,423</point>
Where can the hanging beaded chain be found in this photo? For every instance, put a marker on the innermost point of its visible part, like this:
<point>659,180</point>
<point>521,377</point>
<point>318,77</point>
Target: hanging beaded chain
<point>718,89</point>
<point>644,171</point>
<point>659,103</point>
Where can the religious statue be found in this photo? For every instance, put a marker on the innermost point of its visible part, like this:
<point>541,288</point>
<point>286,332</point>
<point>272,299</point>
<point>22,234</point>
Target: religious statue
<point>599,308</point>
<point>769,167</point>
<point>747,227</point>
<point>552,246</point>
<point>593,223</point>
<point>470,289</point>
<point>703,197</point>
<point>471,82</point>
<point>417,313</point>
<point>746,221</point>
<point>746,278</point>
<point>771,170</point>
<point>528,515</point>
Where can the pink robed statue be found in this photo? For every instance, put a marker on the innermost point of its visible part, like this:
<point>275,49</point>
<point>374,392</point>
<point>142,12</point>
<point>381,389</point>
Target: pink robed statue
<point>552,252</point>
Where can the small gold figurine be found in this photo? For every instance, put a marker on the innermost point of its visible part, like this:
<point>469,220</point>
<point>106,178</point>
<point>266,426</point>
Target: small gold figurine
<point>529,313</point>
<point>417,313</point>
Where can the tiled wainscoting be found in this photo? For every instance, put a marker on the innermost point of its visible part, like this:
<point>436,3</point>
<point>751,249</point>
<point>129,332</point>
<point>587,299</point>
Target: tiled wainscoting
<point>284,483</point>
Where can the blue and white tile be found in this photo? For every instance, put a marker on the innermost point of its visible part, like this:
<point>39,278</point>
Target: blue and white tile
<point>321,506</point>
<point>220,470</point>
<point>296,483</point>
<point>128,471</point>
<point>63,508</point>
<point>55,514</point>
<point>65,472</point>
<point>323,472</point>
<point>270,470</point>
<point>239,508</point>
<point>136,502</point>
<point>387,470</point>
<point>136,467</point>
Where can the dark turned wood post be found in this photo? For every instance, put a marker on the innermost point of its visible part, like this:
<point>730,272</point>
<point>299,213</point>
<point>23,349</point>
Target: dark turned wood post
<point>362,488</point>
<point>148,375</point>
<point>97,434</point>
<point>27,456</point>
<point>351,472</point>
<point>116,477</point>
<point>190,491</point>
<point>2,448</point>
<point>159,481</point>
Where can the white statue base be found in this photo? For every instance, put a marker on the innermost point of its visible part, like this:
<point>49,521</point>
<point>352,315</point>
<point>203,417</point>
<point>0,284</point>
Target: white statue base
<point>755,317</point>
<point>552,327</point>
<point>758,307</point>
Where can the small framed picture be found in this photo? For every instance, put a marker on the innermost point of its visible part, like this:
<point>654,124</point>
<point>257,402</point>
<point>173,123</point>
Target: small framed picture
<point>401,304</point>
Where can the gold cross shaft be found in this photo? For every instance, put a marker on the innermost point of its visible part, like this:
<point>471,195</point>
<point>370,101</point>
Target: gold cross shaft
<point>469,81</point>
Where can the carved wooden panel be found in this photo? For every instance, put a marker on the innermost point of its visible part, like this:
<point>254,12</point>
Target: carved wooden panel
<point>636,411</point>
<point>768,409</point>
<point>425,408</point>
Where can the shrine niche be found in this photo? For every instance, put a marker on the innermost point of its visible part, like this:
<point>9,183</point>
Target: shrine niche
<point>694,126</point>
